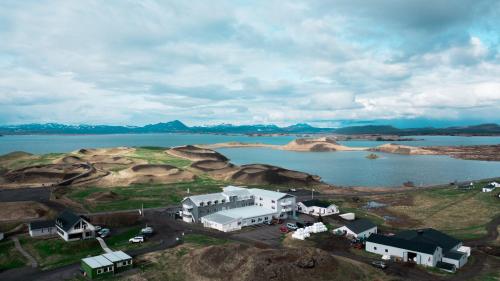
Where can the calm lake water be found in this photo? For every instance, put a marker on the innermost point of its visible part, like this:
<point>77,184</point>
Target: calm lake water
<point>352,168</point>
<point>341,168</point>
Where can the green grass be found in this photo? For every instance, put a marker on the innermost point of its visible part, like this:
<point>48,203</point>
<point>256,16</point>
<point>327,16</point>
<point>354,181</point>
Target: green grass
<point>157,155</point>
<point>151,195</point>
<point>9,257</point>
<point>203,240</point>
<point>53,253</point>
<point>31,160</point>
<point>488,277</point>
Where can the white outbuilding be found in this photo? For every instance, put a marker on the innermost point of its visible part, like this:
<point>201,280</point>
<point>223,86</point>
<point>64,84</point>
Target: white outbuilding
<point>360,229</point>
<point>490,187</point>
<point>317,208</point>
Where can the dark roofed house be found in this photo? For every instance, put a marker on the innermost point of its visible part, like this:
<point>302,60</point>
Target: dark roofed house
<point>317,208</point>
<point>42,228</point>
<point>73,227</point>
<point>428,247</point>
<point>360,228</point>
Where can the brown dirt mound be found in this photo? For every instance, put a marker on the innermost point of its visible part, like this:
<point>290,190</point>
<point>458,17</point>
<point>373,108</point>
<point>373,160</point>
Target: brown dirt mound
<point>10,211</point>
<point>42,174</point>
<point>70,160</point>
<point>106,196</point>
<point>401,149</point>
<point>196,153</point>
<point>147,174</point>
<point>242,262</point>
<point>152,168</point>
<point>267,174</point>
<point>15,155</point>
<point>317,145</point>
<point>212,165</point>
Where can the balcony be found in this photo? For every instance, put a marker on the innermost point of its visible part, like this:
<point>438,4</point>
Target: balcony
<point>285,203</point>
<point>288,209</point>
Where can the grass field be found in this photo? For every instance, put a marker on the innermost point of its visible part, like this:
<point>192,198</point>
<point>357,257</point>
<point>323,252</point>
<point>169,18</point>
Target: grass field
<point>9,257</point>
<point>157,155</point>
<point>55,252</point>
<point>25,161</point>
<point>156,195</point>
<point>461,213</point>
<point>203,240</point>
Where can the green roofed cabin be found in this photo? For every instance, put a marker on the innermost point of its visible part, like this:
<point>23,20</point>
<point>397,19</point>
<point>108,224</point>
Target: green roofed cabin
<point>106,264</point>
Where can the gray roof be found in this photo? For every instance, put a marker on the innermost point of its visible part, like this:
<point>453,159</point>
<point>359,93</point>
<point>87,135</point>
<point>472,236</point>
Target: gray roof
<point>97,262</point>
<point>117,256</point>
<point>393,241</point>
<point>268,193</point>
<point>219,218</point>
<point>197,199</point>
<point>42,224</point>
<point>360,225</point>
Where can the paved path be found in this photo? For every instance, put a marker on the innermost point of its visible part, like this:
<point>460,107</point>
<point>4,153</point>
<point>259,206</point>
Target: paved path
<point>32,260</point>
<point>103,245</point>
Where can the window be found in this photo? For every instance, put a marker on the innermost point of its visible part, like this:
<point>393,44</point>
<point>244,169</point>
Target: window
<point>253,220</point>
<point>386,250</point>
<point>209,203</point>
<point>266,218</point>
<point>216,201</point>
<point>272,207</point>
<point>272,201</point>
<point>223,200</point>
<point>374,248</point>
<point>260,219</point>
<point>260,198</point>
<point>110,268</point>
<point>100,270</point>
<point>202,203</point>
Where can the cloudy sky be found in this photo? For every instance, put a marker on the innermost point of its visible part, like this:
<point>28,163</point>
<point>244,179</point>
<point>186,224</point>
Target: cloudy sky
<point>423,62</point>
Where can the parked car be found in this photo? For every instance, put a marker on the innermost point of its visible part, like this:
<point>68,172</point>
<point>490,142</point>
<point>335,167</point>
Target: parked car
<point>358,246</point>
<point>284,229</point>
<point>300,225</point>
<point>308,223</point>
<point>379,264</point>
<point>147,230</point>
<point>104,232</point>
<point>97,227</point>
<point>291,226</point>
<point>137,239</point>
<point>269,222</point>
<point>292,189</point>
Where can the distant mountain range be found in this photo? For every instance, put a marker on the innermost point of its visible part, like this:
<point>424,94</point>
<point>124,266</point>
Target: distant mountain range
<point>177,126</point>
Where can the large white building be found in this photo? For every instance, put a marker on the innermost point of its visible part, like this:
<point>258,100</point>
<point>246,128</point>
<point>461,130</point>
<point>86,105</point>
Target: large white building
<point>427,247</point>
<point>236,207</point>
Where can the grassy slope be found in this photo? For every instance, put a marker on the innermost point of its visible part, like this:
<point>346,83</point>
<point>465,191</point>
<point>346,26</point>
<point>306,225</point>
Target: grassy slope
<point>55,252</point>
<point>156,195</point>
<point>21,161</point>
<point>9,257</point>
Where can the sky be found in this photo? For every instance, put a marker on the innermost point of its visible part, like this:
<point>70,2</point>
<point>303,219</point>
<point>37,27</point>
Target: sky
<point>326,63</point>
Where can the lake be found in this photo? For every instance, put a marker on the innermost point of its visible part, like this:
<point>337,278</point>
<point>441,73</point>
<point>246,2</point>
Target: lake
<point>352,168</point>
<point>341,168</point>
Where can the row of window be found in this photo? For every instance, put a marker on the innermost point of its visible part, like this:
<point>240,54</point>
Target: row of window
<point>106,269</point>
<point>375,248</point>
<point>124,263</point>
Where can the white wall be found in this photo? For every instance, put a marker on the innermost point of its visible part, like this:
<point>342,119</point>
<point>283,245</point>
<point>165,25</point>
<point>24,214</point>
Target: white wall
<point>457,263</point>
<point>364,234</point>
<point>227,227</point>
<point>316,211</point>
<point>422,258</point>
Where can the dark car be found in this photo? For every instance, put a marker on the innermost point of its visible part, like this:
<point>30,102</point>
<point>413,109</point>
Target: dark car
<point>299,225</point>
<point>379,264</point>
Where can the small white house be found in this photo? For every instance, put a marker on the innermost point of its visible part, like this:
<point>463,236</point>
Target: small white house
<point>489,188</point>
<point>317,208</point>
<point>72,227</point>
<point>42,228</point>
<point>360,229</point>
